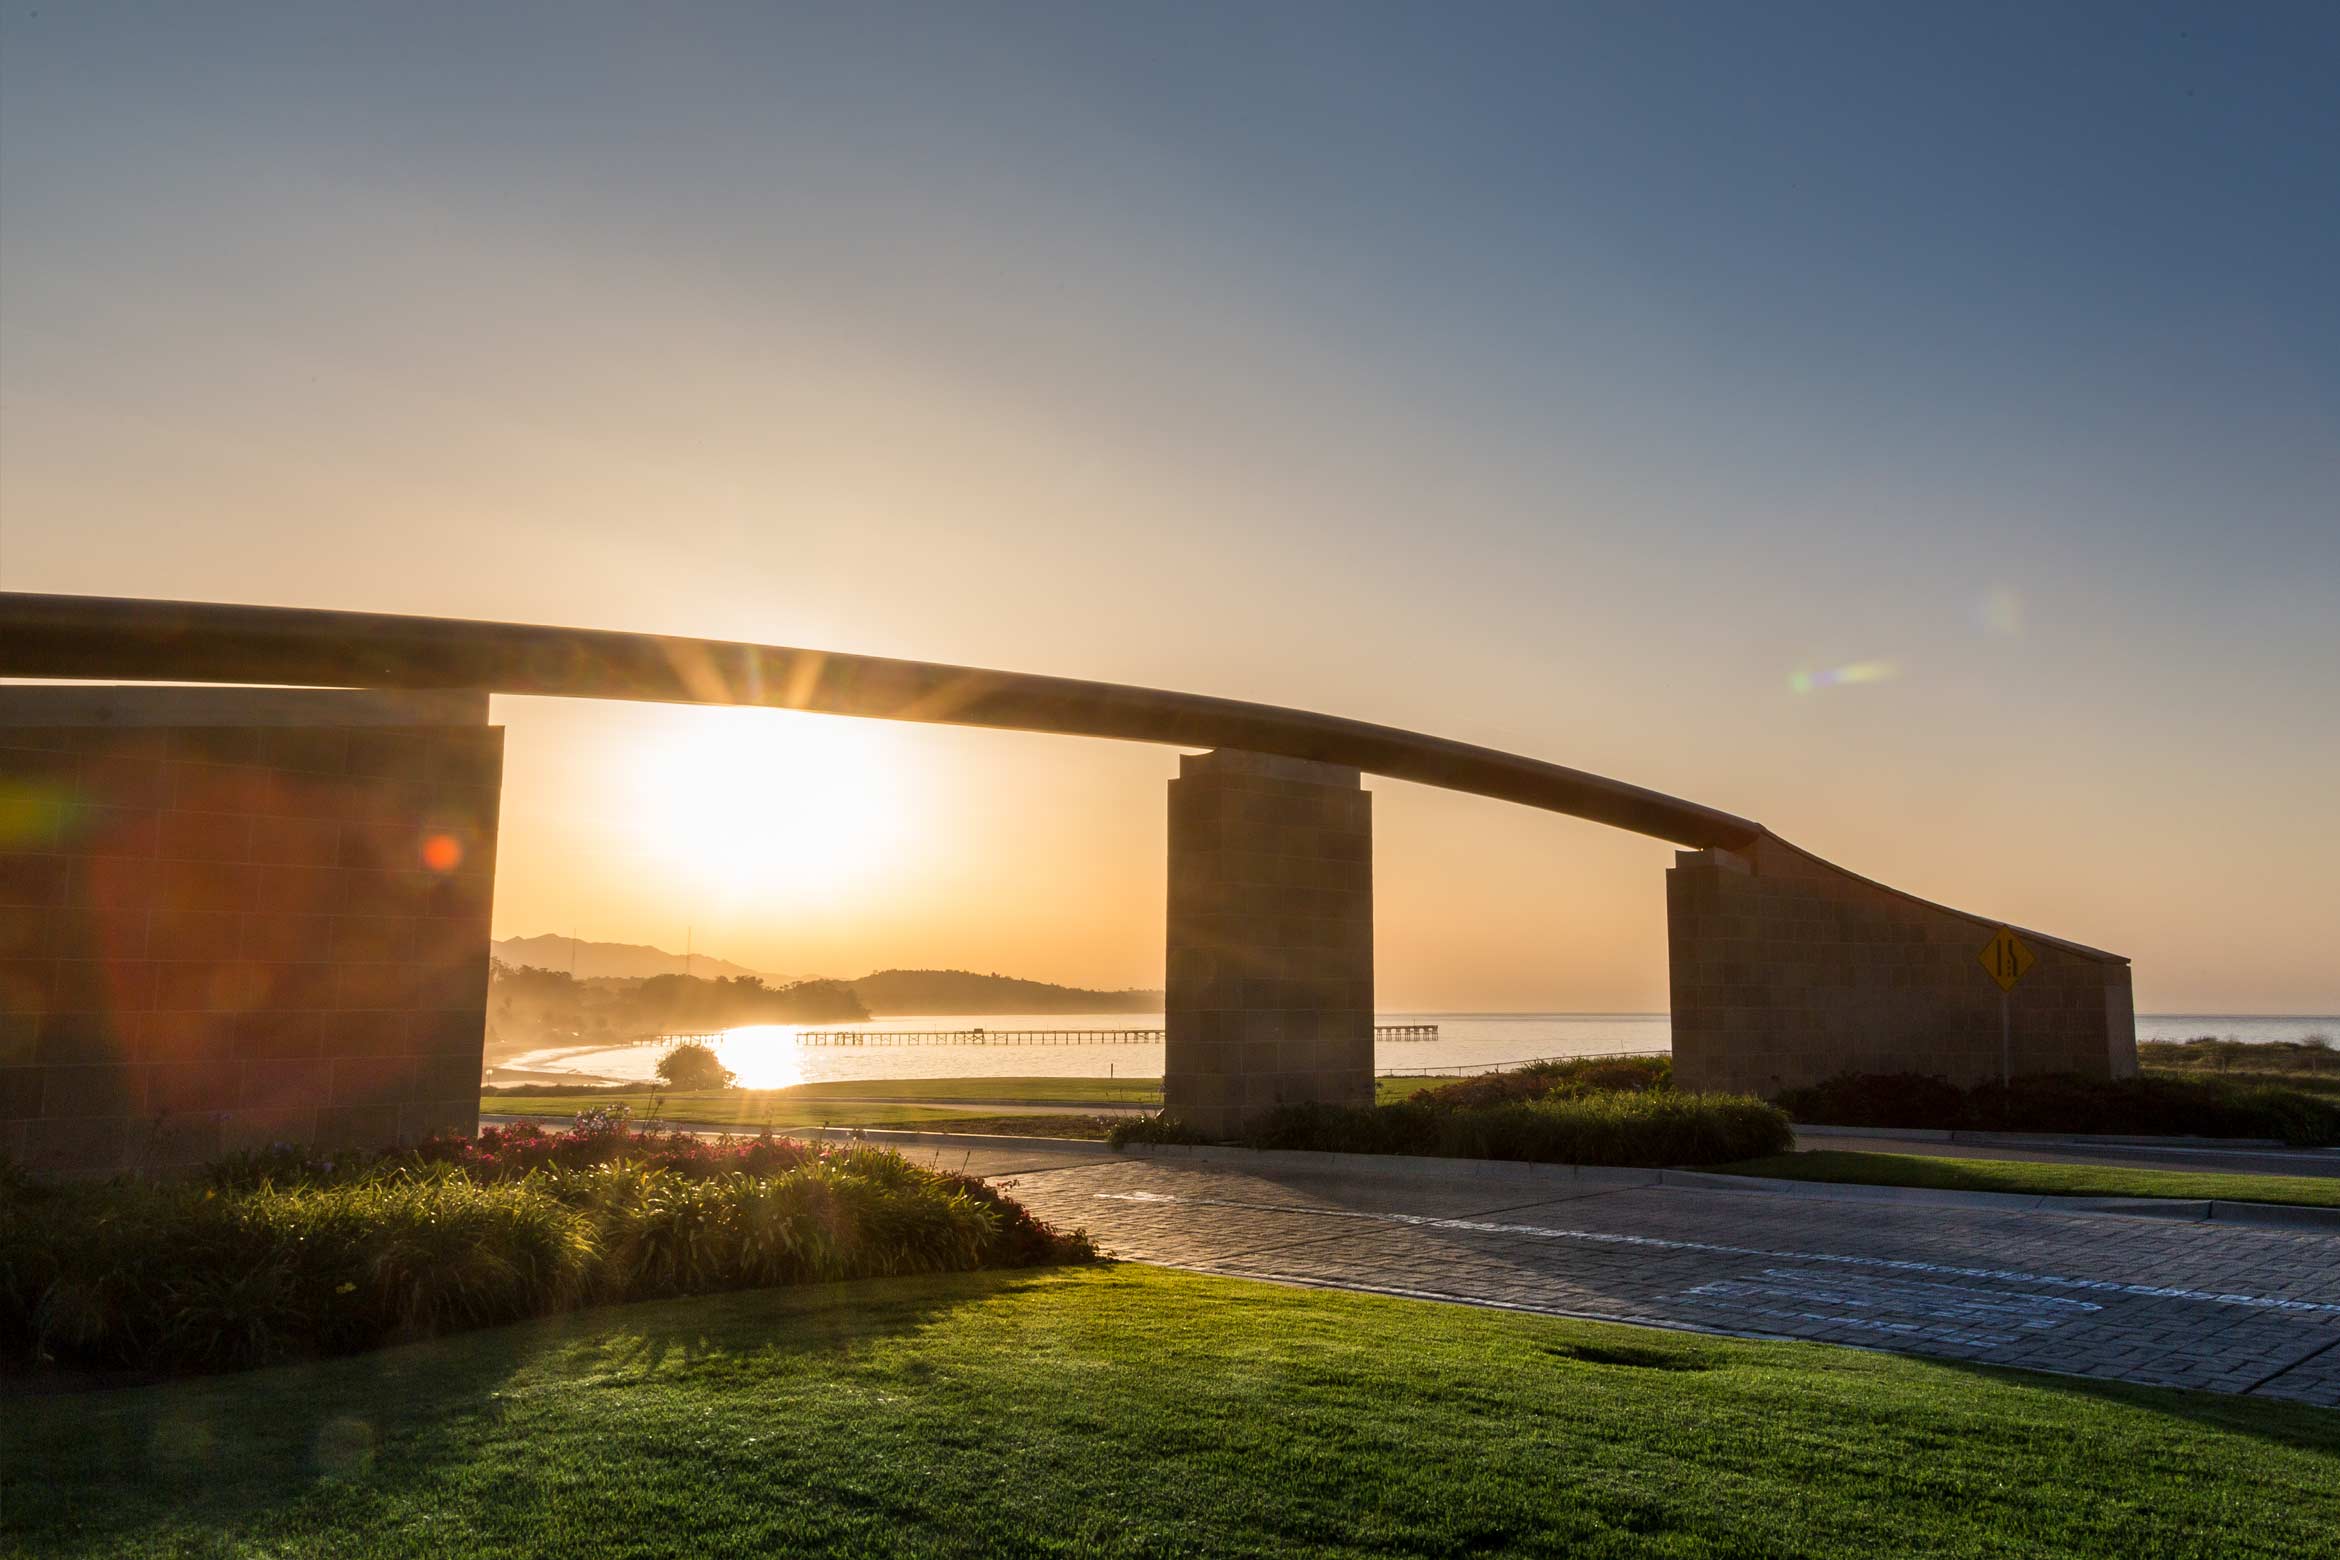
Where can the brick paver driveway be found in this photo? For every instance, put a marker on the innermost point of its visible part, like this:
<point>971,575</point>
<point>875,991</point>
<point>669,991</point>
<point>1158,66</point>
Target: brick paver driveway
<point>2231,1308</point>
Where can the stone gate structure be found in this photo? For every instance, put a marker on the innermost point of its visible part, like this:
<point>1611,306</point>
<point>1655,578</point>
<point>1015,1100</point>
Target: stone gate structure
<point>1786,970</point>
<point>233,917</point>
<point>266,916</point>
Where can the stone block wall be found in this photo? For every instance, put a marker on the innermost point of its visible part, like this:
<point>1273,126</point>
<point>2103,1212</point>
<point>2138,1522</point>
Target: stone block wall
<point>1270,967</point>
<point>1786,971</point>
<point>235,917</point>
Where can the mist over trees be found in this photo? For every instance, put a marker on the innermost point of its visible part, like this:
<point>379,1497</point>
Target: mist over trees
<point>531,1006</point>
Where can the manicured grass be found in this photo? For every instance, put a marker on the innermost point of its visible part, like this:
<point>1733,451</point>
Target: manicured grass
<point>741,1111</point>
<point>2009,1175</point>
<point>892,1102</point>
<point>1020,1091</point>
<point>717,1109</point>
<point>1133,1411</point>
<point>992,1091</point>
<point>1088,1128</point>
<point>1388,1091</point>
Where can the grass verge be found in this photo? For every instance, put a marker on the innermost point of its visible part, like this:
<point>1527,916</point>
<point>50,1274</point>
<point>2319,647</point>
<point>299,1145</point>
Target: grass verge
<point>995,1091</point>
<point>2007,1175</point>
<point>754,1111</point>
<point>1132,1411</point>
<point>898,1104</point>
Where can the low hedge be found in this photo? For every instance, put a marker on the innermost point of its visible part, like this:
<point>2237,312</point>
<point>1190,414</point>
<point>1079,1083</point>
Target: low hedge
<point>1606,1112</point>
<point>1558,1078</point>
<point>1612,1127</point>
<point>264,1261</point>
<point>1161,1127</point>
<point>2152,1105</point>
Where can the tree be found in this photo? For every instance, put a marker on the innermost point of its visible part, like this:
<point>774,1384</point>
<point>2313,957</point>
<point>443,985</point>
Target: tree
<point>691,1065</point>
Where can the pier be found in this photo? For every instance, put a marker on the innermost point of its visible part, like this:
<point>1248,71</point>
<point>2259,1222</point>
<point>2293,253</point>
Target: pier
<point>881,1037</point>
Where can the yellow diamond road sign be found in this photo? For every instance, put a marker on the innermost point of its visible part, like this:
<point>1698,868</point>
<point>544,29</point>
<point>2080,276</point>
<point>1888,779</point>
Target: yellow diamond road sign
<point>2007,959</point>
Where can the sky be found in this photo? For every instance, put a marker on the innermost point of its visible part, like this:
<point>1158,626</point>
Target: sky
<point>1917,429</point>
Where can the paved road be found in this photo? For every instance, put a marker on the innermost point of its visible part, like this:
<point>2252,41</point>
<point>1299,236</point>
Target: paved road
<point>2229,1308</point>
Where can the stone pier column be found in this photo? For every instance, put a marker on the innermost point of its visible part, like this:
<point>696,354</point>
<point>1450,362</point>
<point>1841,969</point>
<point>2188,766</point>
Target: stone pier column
<point>1270,969</point>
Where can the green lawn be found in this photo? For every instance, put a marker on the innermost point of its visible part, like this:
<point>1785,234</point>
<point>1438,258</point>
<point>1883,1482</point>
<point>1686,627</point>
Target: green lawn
<point>883,1103</point>
<point>746,1111</point>
<point>1135,1411</point>
<point>1021,1091</point>
<point>2012,1175</point>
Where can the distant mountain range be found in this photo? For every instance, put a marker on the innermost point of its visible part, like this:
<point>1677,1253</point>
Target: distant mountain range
<point>888,993</point>
<point>618,961</point>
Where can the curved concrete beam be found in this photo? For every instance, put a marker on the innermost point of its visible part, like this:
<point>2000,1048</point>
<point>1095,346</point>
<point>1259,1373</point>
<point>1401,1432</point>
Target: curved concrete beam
<point>209,642</point>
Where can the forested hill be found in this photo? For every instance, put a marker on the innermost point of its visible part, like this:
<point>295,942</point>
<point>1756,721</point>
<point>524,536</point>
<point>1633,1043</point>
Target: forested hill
<point>906,993</point>
<point>536,1007</point>
<point>588,960</point>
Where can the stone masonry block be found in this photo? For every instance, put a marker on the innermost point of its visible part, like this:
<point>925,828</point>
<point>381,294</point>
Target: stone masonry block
<point>1270,950</point>
<point>175,949</point>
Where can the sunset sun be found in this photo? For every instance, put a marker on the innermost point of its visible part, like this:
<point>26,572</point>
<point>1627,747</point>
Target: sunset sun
<point>759,804</point>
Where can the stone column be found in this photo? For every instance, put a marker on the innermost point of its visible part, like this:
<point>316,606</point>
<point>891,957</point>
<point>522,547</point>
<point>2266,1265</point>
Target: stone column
<point>1270,969</point>
<point>237,916</point>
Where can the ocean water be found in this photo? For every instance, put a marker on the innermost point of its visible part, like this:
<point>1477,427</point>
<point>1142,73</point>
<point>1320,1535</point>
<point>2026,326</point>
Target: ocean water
<point>768,1056</point>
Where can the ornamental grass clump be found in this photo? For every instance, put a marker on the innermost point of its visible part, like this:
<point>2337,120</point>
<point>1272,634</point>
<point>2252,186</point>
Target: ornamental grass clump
<point>289,1256</point>
<point>600,1137</point>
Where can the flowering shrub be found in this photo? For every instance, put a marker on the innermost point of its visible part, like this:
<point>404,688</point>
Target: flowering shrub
<point>599,1120</point>
<point>275,1254</point>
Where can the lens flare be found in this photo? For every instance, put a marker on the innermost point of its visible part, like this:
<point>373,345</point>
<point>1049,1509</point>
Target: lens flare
<point>2000,613</point>
<point>34,816</point>
<point>1843,676</point>
<point>442,853</point>
<point>765,1056</point>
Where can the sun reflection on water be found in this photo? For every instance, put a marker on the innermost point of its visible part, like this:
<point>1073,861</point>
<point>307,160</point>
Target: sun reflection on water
<point>765,1056</point>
